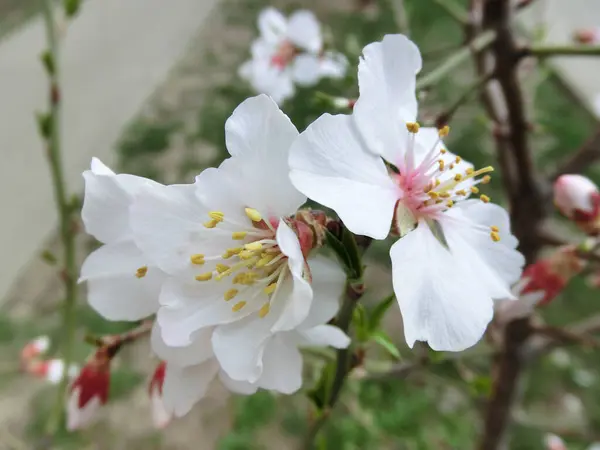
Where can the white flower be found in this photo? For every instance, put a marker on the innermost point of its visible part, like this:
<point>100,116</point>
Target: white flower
<point>229,246</point>
<point>122,285</point>
<point>454,255</point>
<point>289,52</point>
<point>274,358</point>
<point>576,196</point>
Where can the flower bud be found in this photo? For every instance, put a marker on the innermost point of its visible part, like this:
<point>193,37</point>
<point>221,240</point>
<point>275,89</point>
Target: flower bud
<point>160,416</point>
<point>587,35</point>
<point>35,348</point>
<point>578,199</point>
<point>89,391</point>
<point>51,370</point>
<point>554,442</point>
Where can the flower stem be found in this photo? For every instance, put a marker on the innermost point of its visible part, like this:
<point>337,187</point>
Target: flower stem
<point>562,50</point>
<point>51,135</point>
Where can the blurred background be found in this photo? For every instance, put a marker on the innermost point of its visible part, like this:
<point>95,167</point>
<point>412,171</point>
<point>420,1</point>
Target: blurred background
<point>148,85</point>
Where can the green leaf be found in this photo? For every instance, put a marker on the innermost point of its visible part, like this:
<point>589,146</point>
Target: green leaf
<point>481,385</point>
<point>49,257</point>
<point>385,341</point>
<point>340,251</point>
<point>48,62</point>
<point>360,322</point>
<point>71,7</point>
<point>44,122</point>
<point>379,311</point>
<point>319,395</point>
<point>355,261</point>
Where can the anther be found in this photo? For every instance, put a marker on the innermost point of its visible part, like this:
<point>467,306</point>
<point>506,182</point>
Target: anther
<point>494,228</point>
<point>238,235</point>
<point>495,236</point>
<point>270,288</point>
<point>451,166</point>
<point>231,293</point>
<point>238,306</point>
<point>216,215</point>
<point>444,195</point>
<point>253,246</point>
<point>474,190</point>
<point>450,203</point>
<point>265,260</point>
<point>443,151</point>
<point>204,276</point>
<point>441,164</point>
<point>444,131</point>
<point>264,310</point>
<point>253,215</point>
<point>458,159</point>
<point>141,272</point>
<point>484,198</point>
<point>486,179</point>
<point>433,194</point>
<point>413,127</point>
<point>211,223</point>
<point>461,192</point>
<point>457,177</point>
<point>197,259</point>
<point>222,268</point>
<point>470,171</point>
<point>246,254</point>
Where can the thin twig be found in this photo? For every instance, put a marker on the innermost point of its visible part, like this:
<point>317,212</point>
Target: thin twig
<point>544,51</point>
<point>445,117</point>
<point>453,10</point>
<point>581,159</point>
<point>61,198</point>
<point>400,16</point>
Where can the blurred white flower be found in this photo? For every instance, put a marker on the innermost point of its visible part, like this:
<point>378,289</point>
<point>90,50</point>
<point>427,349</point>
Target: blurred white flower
<point>288,52</point>
<point>35,348</point>
<point>122,283</point>
<point>455,255</point>
<point>51,370</point>
<point>554,442</point>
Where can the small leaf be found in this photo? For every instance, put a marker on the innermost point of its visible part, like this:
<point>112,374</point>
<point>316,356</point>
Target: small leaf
<point>44,122</point>
<point>48,62</point>
<point>384,341</point>
<point>71,7</point>
<point>49,257</point>
<point>319,395</point>
<point>355,262</point>
<point>360,322</point>
<point>379,311</point>
<point>481,385</point>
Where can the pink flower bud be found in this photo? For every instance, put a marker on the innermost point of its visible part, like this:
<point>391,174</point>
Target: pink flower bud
<point>587,36</point>
<point>554,442</point>
<point>160,416</point>
<point>578,199</point>
<point>89,391</point>
<point>35,348</point>
<point>51,370</point>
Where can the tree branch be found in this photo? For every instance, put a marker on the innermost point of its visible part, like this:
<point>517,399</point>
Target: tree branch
<point>543,51</point>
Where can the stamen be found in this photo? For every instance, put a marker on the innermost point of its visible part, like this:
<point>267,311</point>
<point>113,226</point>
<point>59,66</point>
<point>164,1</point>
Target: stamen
<point>265,259</point>
<point>253,246</point>
<point>495,236</point>
<point>222,268</point>
<point>441,164</point>
<point>238,306</point>
<point>197,259</point>
<point>246,254</point>
<point>484,198</point>
<point>444,131</point>
<point>486,179</point>
<point>494,228</point>
<point>253,215</point>
<point>470,171</point>
<point>450,203</point>
<point>443,151</point>
<point>231,251</point>
<point>413,127</point>
<point>474,190</point>
<point>458,159</point>
<point>270,288</point>
<point>264,310</point>
<point>231,293</point>
<point>204,276</point>
<point>433,194</point>
<point>141,272</point>
<point>211,223</point>
<point>461,192</point>
<point>216,215</point>
<point>444,195</point>
<point>451,166</point>
<point>238,235</point>
<point>457,177</point>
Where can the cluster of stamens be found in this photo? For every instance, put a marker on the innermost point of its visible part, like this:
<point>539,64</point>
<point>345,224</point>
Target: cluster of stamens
<point>437,195</point>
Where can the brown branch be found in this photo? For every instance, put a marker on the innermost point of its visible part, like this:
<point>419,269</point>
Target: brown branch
<point>589,153</point>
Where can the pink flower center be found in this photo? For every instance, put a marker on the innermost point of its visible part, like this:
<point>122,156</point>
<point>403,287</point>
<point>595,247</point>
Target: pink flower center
<point>285,54</point>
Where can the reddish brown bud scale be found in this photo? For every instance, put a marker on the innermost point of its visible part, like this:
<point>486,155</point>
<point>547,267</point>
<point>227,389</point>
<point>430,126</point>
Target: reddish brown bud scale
<point>158,378</point>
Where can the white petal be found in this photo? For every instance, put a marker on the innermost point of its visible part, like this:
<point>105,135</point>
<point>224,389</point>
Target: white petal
<point>239,387</point>
<point>333,65</point>
<point>387,100</point>
<point>272,24</point>
<point>330,165</point>
<point>114,290</point>
<point>328,283</point>
<point>501,256</point>
<point>282,366</point>
<point>304,31</point>
<point>324,336</point>
<point>160,416</point>
<point>184,387</point>
<point>198,351</point>
<point>79,418</point>
<point>298,303</point>
<point>439,300</point>
<point>306,69</point>
<point>99,168</point>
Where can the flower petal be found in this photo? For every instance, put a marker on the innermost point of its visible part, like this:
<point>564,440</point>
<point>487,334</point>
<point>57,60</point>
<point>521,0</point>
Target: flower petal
<point>387,80</point>
<point>239,387</point>
<point>329,164</point>
<point>114,290</point>
<point>323,336</point>
<point>272,24</point>
<point>306,69</point>
<point>439,300</point>
<point>282,366</point>
<point>333,65</point>
<point>198,351</point>
<point>304,31</point>
<point>184,387</point>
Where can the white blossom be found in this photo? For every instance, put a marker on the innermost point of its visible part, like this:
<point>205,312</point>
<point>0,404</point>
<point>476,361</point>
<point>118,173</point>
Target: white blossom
<point>455,255</point>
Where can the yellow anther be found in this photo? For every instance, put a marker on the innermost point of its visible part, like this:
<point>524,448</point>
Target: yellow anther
<point>198,259</point>
<point>437,182</point>
<point>444,131</point>
<point>437,202</point>
<point>413,127</point>
<point>253,246</point>
<point>475,190</point>
<point>443,151</point>
<point>231,251</point>
<point>494,228</point>
<point>141,272</point>
<point>461,192</point>
<point>238,235</point>
<point>441,164</point>
<point>231,293</point>
<point>266,259</point>
<point>495,236</point>
<point>264,310</point>
<point>451,166</point>
<point>204,276</point>
<point>222,268</point>
<point>246,254</point>
<point>238,306</point>
<point>450,203</point>
<point>470,171</point>
<point>211,223</point>
<point>253,215</point>
<point>484,198</point>
<point>458,159</point>
<point>444,195</point>
<point>486,179</point>
<point>216,215</point>
<point>270,288</point>
<point>433,194</point>
<point>457,177</point>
